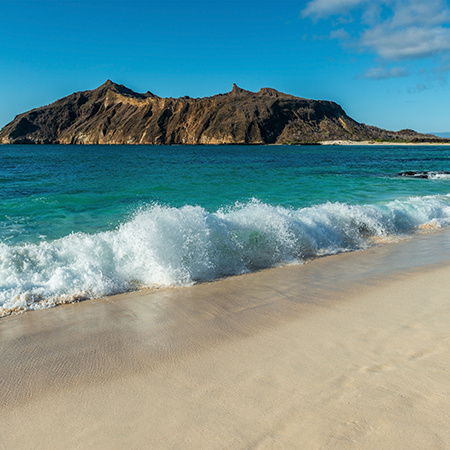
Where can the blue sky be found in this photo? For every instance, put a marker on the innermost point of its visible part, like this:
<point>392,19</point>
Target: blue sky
<point>386,63</point>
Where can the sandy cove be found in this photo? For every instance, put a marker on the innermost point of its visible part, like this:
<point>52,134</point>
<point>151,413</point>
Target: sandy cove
<point>348,351</point>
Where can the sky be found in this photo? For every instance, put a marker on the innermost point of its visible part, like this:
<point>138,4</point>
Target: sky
<point>387,63</point>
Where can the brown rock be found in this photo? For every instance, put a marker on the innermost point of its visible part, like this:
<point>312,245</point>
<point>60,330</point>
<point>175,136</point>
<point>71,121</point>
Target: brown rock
<point>114,114</point>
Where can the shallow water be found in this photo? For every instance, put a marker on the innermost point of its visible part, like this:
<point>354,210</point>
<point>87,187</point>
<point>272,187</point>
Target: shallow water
<point>84,221</point>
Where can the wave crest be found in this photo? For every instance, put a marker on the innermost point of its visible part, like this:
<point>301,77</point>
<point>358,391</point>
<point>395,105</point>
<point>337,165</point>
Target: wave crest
<point>166,246</point>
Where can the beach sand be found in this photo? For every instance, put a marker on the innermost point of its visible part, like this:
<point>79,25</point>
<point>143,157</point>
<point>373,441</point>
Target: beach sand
<point>347,351</point>
<point>383,143</point>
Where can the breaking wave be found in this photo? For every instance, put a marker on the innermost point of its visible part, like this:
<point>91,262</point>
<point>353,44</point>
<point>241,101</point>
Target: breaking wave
<point>439,176</point>
<point>167,246</point>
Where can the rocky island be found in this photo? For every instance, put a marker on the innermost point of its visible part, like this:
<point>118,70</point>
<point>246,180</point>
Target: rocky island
<point>114,114</point>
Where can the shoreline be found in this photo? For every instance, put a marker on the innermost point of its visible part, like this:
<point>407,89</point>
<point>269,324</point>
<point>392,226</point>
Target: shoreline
<point>347,351</point>
<point>375,143</point>
<point>53,302</point>
<point>339,142</point>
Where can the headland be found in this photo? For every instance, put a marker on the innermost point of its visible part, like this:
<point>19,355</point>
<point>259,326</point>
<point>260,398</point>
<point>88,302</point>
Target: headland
<point>114,114</point>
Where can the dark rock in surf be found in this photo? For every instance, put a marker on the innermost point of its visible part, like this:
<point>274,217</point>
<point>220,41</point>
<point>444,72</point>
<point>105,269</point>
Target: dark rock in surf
<point>423,174</point>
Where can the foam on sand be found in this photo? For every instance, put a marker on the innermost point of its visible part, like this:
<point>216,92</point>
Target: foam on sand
<point>349,351</point>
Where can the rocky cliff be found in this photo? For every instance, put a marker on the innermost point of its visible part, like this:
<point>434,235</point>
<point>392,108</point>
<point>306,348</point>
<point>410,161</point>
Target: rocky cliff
<point>114,114</point>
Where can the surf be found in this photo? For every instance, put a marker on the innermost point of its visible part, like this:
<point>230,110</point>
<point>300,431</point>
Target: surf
<point>168,246</point>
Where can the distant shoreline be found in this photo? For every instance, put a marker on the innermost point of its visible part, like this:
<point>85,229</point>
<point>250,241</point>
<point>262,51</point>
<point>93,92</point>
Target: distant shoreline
<point>373,143</point>
<point>325,143</point>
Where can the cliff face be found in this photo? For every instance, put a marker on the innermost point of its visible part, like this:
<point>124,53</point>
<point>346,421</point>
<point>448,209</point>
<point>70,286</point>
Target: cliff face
<point>114,114</point>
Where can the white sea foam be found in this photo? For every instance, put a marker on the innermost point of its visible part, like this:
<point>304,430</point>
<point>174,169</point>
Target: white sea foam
<point>438,176</point>
<point>163,246</point>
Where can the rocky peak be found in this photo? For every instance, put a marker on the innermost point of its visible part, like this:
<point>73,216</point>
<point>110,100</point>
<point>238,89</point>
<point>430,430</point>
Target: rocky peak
<point>238,91</point>
<point>109,85</point>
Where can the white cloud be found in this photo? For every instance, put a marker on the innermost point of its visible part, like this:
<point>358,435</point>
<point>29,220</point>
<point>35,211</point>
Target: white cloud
<point>372,13</point>
<point>392,29</point>
<point>381,73</point>
<point>325,8</point>
<point>416,29</point>
<point>419,13</point>
<point>406,43</point>
<point>340,35</point>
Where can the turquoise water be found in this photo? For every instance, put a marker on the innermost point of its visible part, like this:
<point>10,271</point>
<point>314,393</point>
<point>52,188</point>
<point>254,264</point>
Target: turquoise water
<point>83,221</point>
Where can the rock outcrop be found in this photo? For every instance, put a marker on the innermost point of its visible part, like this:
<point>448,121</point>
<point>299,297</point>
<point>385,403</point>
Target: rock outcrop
<point>114,114</point>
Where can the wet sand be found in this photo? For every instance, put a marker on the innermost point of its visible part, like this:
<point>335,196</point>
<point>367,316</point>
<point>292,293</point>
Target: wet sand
<point>347,351</point>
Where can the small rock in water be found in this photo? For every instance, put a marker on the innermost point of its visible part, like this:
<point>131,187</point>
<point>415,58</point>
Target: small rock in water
<point>423,174</point>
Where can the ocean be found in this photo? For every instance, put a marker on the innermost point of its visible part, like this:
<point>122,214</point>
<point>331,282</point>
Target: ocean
<point>81,222</point>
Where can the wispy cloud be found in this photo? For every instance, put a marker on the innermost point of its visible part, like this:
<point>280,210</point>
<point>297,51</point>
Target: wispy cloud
<point>382,73</point>
<point>326,8</point>
<point>394,30</point>
<point>416,29</point>
<point>341,35</point>
<point>408,43</point>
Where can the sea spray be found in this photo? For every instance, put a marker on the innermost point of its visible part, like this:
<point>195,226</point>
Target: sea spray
<point>168,246</point>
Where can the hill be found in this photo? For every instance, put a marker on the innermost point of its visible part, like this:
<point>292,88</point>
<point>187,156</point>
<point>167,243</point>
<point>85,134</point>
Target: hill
<point>114,114</point>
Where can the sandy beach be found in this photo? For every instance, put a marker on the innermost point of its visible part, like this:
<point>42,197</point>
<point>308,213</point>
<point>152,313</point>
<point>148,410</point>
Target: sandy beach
<point>347,351</point>
<point>382,143</point>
